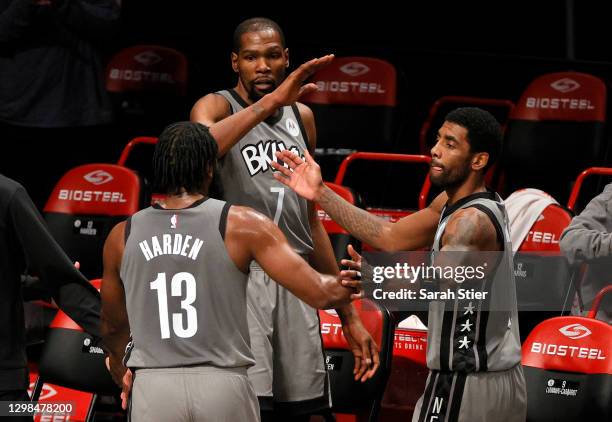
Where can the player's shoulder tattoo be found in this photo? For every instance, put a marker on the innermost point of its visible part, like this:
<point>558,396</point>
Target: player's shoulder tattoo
<point>468,227</point>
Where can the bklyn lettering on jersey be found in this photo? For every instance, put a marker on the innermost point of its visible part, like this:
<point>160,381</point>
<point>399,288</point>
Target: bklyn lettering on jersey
<point>259,156</point>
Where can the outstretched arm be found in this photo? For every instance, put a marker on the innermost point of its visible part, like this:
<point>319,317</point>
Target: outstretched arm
<point>46,260</point>
<point>227,131</point>
<point>415,231</point>
<point>251,235</point>
<point>115,324</point>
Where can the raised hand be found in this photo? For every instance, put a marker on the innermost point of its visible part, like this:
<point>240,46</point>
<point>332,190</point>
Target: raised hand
<point>303,176</point>
<point>352,276</point>
<point>292,87</point>
<point>355,262</point>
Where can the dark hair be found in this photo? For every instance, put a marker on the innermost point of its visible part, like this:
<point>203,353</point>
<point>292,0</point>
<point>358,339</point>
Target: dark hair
<point>484,132</point>
<point>256,25</point>
<point>184,153</point>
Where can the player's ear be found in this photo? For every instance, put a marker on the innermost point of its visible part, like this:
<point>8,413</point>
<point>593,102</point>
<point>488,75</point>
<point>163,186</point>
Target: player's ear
<point>286,52</point>
<point>480,160</point>
<point>234,59</point>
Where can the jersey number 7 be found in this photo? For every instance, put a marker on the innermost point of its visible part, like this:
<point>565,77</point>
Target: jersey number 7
<point>279,203</point>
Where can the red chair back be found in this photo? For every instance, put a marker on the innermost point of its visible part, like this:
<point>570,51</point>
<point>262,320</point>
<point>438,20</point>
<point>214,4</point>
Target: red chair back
<point>147,68</point>
<point>350,396</point>
<point>545,233</point>
<point>355,108</point>
<point>72,367</point>
<point>568,368</point>
<point>555,130</point>
<point>86,204</point>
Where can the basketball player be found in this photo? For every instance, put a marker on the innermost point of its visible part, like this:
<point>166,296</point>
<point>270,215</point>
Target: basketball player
<point>250,122</point>
<point>175,275</point>
<point>473,351</point>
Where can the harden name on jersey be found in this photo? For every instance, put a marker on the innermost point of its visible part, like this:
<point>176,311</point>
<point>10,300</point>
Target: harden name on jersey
<point>171,244</point>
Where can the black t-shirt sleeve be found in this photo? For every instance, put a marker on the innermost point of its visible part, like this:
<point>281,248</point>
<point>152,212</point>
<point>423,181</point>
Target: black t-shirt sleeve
<point>45,259</point>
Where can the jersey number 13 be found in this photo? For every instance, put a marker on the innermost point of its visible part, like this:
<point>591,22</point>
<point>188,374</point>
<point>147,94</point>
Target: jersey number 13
<point>176,289</point>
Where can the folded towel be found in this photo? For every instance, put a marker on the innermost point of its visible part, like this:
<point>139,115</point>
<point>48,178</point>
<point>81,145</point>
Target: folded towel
<point>413,322</point>
<point>524,207</point>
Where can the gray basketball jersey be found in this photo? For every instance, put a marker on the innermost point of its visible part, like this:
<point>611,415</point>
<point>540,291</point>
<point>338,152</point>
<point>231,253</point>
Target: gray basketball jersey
<point>246,174</point>
<point>185,297</point>
<point>477,335</point>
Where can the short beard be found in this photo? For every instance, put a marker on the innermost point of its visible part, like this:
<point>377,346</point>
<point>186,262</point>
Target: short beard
<point>453,180</point>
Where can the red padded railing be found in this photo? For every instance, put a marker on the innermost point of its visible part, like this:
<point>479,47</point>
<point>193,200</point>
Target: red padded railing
<point>130,146</point>
<point>597,301</point>
<point>604,171</point>
<point>381,156</point>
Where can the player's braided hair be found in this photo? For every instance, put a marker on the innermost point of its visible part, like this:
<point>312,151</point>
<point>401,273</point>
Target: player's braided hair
<point>255,25</point>
<point>184,153</point>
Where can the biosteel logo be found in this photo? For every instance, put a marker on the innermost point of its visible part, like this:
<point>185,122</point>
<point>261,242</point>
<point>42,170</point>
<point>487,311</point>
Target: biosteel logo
<point>46,392</point>
<point>565,85</point>
<point>98,177</point>
<point>331,328</point>
<point>354,69</point>
<point>148,58</point>
<point>575,331</point>
<point>541,237</point>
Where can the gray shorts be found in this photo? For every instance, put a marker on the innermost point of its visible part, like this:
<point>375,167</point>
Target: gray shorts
<point>195,393</point>
<point>477,397</point>
<point>286,343</point>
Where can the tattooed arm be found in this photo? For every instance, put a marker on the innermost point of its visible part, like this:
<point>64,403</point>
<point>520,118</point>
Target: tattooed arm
<point>469,240</point>
<point>470,230</point>
<point>415,231</point>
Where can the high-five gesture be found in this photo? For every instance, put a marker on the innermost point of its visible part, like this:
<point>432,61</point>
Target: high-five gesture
<point>303,176</point>
<point>293,86</point>
<point>227,128</point>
